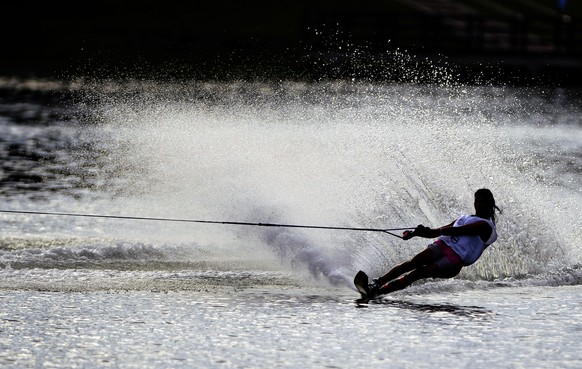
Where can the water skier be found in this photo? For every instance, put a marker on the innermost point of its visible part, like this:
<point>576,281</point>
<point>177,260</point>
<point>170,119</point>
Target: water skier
<point>459,244</point>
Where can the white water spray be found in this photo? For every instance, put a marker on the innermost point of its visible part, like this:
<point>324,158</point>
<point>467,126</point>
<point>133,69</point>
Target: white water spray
<point>352,155</point>
<point>339,154</point>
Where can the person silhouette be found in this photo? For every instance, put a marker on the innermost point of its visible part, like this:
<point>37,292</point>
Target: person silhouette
<point>459,244</point>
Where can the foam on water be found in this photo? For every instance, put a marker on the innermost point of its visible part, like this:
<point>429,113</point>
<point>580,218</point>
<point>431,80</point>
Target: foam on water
<point>342,154</point>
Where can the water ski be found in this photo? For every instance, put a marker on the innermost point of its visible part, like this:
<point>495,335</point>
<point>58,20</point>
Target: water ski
<point>361,283</point>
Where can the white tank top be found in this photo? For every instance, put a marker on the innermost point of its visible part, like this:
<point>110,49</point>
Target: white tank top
<point>469,248</point>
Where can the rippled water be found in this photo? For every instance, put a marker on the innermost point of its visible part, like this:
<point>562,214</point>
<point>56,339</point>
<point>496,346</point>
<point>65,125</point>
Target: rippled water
<point>503,327</point>
<point>97,292</point>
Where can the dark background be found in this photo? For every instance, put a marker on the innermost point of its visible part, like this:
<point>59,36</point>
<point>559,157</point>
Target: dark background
<point>510,41</point>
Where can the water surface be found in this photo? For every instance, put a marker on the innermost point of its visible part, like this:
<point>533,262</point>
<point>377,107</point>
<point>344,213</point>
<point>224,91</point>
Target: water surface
<point>95,292</point>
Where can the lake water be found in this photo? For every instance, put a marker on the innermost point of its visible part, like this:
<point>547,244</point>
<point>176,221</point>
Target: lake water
<point>99,292</point>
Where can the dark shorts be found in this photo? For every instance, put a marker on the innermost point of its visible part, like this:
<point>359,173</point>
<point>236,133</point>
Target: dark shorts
<point>448,262</point>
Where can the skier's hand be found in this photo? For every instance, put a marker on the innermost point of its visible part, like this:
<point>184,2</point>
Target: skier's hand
<point>407,235</point>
